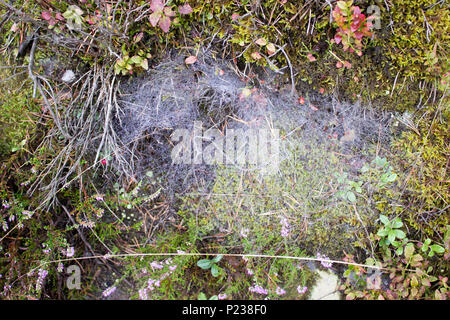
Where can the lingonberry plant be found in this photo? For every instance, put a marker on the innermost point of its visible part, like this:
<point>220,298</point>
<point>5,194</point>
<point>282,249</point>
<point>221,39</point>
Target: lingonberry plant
<point>162,14</point>
<point>352,26</point>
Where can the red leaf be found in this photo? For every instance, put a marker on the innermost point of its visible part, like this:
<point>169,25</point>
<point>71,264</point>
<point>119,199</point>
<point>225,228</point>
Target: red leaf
<point>103,162</point>
<point>235,16</point>
<point>339,65</point>
<point>52,21</point>
<point>46,15</point>
<point>270,49</point>
<point>356,10</point>
<point>169,12</point>
<point>359,35</point>
<point>311,57</point>
<point>256,55</point>
<point>301,100</point>
<point>157,6</point>
<point>322,90</point>
<point>154,18</point>
<point>186,9</point>
<point>164,23</point>
<point>59,17</point>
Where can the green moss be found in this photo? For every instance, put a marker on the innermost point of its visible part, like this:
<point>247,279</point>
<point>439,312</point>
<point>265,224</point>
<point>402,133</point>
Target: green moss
<point>423,161</point>
<point>303,193</point>
<point>418,45</point>
<point>16,118</point>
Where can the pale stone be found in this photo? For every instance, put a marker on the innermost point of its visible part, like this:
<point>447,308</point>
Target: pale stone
<point>68,76</point>
<point>326,287</point>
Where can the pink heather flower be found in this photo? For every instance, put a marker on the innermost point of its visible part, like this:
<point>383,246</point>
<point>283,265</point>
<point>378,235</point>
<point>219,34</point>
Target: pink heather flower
<point>99,213</point>
<point>222,296</point>
<point>150,283</point>
<point>301,290</point>
<point>27,214</point>
<point>143,294</point>
<point>156,265</point>
<point>244,232</point>
<point>11,218</point>
<point>109,291</point>
<point>168,261</point>
<point>6,289</point>
<point>245,259</point>
<point>249,272</point>
<point>42,273</point>
<point>60,267</point>
<point>70,252</point>
<point>280,291</point>
<point>324,263</point>
<point>285,227</point>
<point>163,276</point>
<point>46,248</point>
<point>4,226</point>
<point>144,270</point>
<point>172,268</point>
<point>181,252</point>
<point>20,225</point>
<point>5,204</point>
<point>258,289</point>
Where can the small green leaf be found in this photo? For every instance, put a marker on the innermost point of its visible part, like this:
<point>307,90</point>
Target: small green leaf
<point>351,196</point>
<point>136,60</point>
<point>399,234</point>
<point>397,223</point>
<point>205,264</point>
<point>202,296</point>
<point>342,5</point>
<point>384,219</point>
<point>215,270</point>
<point>217,258</point>
<point>144,64</point>
<point>391,235</point>
<point>409,250</point>
<point>437,248</point>
<point>382,232</point>
<point>392,177</point>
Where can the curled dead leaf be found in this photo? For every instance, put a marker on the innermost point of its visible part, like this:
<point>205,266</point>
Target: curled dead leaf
<point>190,60</point>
